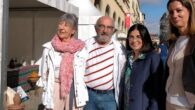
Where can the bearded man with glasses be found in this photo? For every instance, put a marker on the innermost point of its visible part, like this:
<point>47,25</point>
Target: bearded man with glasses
<point>100,66</point>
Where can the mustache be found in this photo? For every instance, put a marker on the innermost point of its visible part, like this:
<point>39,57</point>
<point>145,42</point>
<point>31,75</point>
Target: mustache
<point>104,34</point>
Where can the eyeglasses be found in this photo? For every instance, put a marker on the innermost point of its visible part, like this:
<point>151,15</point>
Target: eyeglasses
<point>102,27</point>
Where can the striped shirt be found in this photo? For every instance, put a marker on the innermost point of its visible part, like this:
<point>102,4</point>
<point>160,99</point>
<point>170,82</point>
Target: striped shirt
<point>99,69</point>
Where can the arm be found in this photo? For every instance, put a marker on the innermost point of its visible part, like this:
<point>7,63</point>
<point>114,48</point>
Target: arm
<point>158,99</point>
<point>79,65</point>
<point>43,69</point>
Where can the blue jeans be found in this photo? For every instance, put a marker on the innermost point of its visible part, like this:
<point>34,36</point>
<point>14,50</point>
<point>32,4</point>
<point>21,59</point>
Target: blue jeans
<point>101,101</point>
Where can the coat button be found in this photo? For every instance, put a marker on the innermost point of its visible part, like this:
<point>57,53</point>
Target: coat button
<point>131,85</point>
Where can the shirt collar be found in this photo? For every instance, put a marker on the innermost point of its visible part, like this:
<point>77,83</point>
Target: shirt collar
<point>141,56</point>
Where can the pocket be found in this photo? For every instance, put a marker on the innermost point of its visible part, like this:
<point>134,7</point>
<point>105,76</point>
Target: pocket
<point>111,95</point>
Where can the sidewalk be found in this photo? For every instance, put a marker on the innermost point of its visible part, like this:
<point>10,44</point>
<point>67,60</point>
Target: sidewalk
<point>34,101</point>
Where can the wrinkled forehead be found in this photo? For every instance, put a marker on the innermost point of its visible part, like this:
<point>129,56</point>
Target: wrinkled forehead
<point>105,21</point>
<point>66,21</point>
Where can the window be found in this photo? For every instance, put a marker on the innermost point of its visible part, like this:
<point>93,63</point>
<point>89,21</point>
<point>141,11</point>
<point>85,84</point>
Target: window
<point>97,4</point>
<point>107,13</point>
<point>119,22</point>
<point>114,18</point>
<point>122,25</point>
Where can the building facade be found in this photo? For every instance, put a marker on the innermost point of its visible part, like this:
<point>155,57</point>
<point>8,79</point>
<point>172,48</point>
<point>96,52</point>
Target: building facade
<point>164,27</point>
<point>124,12</point>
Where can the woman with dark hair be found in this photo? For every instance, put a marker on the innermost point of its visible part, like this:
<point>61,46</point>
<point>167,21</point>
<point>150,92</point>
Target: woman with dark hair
<point>143,76</point>
<point>180,87</point>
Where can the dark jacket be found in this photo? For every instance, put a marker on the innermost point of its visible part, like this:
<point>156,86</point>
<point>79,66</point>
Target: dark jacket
<point>142,89</point>
<point>188,75</point>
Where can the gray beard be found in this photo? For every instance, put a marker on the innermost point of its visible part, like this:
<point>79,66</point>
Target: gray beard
<point>102,40</point>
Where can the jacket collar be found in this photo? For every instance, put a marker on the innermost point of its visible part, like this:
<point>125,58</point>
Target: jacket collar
<point>117,46</point>
<point>190,46</point>
<point>51,50</point>
<point>47,45</point>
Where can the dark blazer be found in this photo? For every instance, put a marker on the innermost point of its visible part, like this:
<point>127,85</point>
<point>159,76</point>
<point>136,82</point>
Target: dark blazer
<point>143,89</point>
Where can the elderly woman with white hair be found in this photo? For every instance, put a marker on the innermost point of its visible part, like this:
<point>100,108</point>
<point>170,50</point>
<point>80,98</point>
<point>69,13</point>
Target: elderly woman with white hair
<point>56,68</point>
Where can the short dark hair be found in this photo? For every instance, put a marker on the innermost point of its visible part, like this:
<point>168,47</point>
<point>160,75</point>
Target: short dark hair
<point>145,36</point>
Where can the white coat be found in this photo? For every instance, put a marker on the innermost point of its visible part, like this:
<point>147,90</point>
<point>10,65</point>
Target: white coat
<point>46,73</point>
<point>46,70</point>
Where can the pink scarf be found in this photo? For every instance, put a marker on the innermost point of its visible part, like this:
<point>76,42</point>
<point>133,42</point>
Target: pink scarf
<point>66,65</point>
